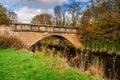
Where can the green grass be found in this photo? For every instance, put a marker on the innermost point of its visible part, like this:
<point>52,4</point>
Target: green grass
<point>20,65</point>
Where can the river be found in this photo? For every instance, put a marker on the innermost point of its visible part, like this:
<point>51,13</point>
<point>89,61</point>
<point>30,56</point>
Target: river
<point>96,62</point>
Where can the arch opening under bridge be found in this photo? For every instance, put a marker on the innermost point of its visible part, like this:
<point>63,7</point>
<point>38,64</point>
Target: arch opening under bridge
<point>60,36</point>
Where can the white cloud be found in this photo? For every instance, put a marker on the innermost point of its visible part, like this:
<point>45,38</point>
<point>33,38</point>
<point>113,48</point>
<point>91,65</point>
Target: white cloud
<point>51,2</point>
<point>46,2</point>
<point>50,11</point>
<point>15,0</point>
<point>25,14</point>
<point>83,0</point>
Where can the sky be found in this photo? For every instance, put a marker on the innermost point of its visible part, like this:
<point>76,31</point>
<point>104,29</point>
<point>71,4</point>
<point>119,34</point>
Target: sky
<point>27,9</point>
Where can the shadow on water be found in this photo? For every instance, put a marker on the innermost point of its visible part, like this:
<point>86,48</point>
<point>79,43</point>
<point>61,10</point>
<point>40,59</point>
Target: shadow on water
<point>96,62</point>
<point>104,64</point>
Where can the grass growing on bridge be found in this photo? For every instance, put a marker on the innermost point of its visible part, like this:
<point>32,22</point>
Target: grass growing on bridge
<point>20,65</point>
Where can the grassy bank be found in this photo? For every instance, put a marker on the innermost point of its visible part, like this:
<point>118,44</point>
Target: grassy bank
<point>20,65</point>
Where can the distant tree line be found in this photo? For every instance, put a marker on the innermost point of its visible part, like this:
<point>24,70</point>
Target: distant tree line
<point>64,15</point>
<point>65,11</point>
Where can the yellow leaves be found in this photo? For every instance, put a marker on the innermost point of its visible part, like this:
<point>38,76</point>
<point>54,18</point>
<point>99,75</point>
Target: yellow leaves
<point>87,12</point>
<point>42,19</point>
<point>57,66</point>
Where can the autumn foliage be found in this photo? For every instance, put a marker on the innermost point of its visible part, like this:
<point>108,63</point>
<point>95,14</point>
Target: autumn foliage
<point>100,25</point>
<point>10,42</point>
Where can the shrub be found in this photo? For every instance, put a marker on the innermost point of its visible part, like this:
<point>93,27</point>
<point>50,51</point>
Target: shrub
<point>10,42</point>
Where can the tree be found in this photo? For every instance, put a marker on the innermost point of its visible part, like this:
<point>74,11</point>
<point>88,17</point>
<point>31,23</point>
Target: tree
<point>13,17</point>
<point>58,14</point>
<point>85,23</point>
<point>42,19</point>
<point>64,11</point>
<point>100,23</point>
<point>2,9</point>
<point>75,10</point>
<point>3,15</point>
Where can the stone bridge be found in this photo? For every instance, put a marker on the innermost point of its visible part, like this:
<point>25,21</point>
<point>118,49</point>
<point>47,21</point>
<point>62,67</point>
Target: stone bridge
<point>30,34</point>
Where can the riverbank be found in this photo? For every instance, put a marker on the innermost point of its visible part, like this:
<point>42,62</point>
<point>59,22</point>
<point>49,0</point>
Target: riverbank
<point>22,65</point>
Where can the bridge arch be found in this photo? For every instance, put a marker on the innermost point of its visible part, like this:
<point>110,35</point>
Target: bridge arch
<point>58,35</point>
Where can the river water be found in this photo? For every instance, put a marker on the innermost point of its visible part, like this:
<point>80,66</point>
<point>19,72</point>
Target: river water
<point>94,62</point>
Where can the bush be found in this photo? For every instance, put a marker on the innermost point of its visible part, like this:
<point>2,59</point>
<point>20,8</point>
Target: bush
<point>10,42</point>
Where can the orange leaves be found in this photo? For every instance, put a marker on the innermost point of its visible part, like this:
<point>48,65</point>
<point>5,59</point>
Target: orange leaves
<point>42,19</point>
